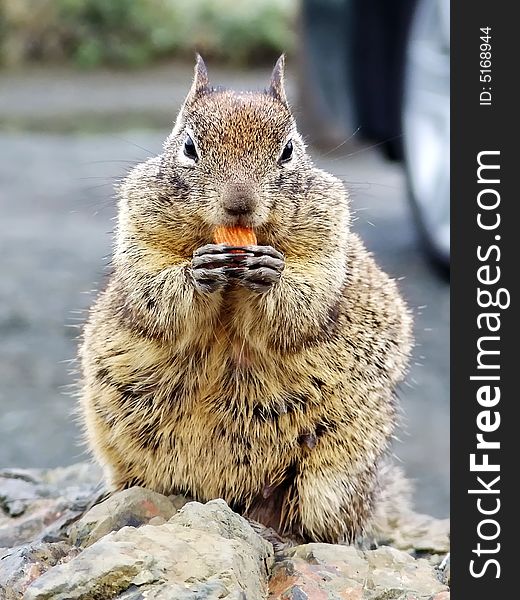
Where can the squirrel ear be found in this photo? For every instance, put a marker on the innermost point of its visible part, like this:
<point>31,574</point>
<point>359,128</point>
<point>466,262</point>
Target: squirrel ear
<point>276,87</point>
<point>200,80</point>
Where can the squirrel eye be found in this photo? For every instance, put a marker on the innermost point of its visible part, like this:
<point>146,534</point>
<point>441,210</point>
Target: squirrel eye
<point>287,152</point>
<point>189,148</point>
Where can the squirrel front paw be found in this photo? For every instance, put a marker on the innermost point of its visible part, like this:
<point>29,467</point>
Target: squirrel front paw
<point>210,267</point>
<point>261,268</point>
<point>257,268</point>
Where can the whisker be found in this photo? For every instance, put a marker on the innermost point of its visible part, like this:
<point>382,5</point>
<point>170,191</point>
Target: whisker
<point>98,162</point>
<point>134,144</point>
<point>342,143</point>
<point>366,148</point>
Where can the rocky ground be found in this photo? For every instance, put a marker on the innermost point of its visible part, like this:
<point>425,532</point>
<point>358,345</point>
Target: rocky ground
<point>60,540</point>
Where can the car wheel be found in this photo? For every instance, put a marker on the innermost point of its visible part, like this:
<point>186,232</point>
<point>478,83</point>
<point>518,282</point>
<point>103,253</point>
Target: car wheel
<point>426,125</point>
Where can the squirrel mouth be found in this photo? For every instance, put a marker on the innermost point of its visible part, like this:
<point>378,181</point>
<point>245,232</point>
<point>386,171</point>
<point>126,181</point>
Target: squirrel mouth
<point>243,220</point>
<point>246,221</point>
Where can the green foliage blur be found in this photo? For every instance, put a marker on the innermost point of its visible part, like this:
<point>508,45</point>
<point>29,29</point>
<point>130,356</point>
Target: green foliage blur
<point>131,33</point>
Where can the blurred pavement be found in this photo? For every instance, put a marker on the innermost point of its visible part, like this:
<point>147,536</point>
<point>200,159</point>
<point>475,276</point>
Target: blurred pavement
<point>63,143</point>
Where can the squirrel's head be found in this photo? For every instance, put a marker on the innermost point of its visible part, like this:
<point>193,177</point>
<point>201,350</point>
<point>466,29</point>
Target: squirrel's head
<point>231,148</point>
<point>233,158</point>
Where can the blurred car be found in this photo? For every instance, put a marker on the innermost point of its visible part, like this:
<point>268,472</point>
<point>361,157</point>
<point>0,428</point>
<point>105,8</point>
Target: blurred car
<point>383,68</point>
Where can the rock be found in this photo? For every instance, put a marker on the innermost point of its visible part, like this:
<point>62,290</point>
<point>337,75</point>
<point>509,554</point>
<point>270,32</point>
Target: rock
<point>221,549</point>
<point>419,534</point>
<point>135,506</point>
<point>179,501</point>
<point>30,524</point>
<point>445,570</point>
<point>327,571</point>
<point>85,474</point>
<point>392,569</point>
<point>20,566</point>
<point>17,493</point>
<point>39,505</point>
<point>319,571</point>
<point>157,521</point>
<point>58,541</point>
<point>210,590</point>
<point>216,517</point>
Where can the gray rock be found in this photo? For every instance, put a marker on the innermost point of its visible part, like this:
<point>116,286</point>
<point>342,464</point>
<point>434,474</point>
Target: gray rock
<point>419,534</point>
<point>86,474</point>
<point>137,545</point>
<point>337,572</point>
<point>217,518</point>
<point>17,493</point>
<point>173,554</point>
<point>445,570</point>
<point>157,521</point>
<point>392,570</point>
<point>19,567</point>
<point>39,505</point>
<point>179,501</point>
<point>33,523</point>
<point>134,507</point>
<point>210,590</point>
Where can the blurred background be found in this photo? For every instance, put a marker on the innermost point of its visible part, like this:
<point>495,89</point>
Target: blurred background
<point>88,88</point>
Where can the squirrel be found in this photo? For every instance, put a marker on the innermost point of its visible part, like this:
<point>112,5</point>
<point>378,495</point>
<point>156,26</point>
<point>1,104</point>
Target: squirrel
<point>265,378</point>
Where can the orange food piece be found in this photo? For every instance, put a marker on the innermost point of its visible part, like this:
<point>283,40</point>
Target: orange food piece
<point>235,236</point>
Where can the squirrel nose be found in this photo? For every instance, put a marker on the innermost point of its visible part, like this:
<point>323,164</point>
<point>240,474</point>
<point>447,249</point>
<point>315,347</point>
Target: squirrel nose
<point>238,199</point>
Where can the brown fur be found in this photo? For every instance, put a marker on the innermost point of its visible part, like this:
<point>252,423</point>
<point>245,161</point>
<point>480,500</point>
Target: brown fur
<point>281,403</point>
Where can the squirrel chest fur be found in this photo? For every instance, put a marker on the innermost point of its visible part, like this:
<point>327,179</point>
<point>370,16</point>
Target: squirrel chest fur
<point>265,377</point>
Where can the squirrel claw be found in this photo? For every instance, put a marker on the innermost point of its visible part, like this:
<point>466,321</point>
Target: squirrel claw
<point>214,261</point>
<point>260,279</point>
<point>210,249</point>
<point>263,266</point>
<point>209,280</point>
<point>211,265</point>
<point>261,251</point>
<point>257,268</point>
